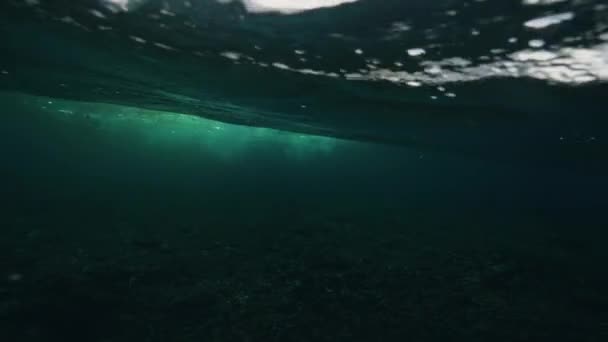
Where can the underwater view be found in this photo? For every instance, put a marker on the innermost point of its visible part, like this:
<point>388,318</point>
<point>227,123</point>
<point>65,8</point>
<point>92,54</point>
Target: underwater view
<point>303,170</point>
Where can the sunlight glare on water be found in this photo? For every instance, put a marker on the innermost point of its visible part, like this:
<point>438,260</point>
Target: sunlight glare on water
<point>289,6</point>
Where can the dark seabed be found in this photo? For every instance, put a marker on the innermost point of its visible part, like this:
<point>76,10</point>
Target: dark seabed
<point>330,170</point>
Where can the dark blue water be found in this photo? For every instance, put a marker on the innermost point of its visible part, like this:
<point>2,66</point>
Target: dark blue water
<point>303,171</point>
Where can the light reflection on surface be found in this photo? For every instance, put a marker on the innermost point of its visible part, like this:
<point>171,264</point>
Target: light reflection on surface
<point>539,23</point>
<point>290,6</point>
<point>449,47</point>
<point>545,61</point>
<point>123,5</point>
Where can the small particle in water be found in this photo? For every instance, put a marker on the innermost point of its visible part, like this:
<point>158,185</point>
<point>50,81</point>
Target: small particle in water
<point>512,40</point>
<point>164,46</point>
<point>475,32</point>
<point>303,106</point>
<point>450,94</point>
<point>167,13</point>
<point>50,102</point>
<point>536,43</point>
<point>451,13</point>
<point>433,97</point>
<point>441,88</point>
<point>235,56</point>
<point>280,66</point>
<point>4,72</point>
<point>414,83</point>
<point>562,138</point>
<point>299,52</point>
<point>15,277</point>
<point>416,52</point>
<point>358,51</point>
<point>138,39</point>
<point>97,14</point>
<point>373,62</point>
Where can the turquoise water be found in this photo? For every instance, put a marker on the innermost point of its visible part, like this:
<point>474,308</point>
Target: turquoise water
<point>303,171</point>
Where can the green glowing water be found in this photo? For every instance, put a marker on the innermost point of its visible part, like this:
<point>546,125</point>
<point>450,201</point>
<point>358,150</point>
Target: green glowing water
<point>166,130</point>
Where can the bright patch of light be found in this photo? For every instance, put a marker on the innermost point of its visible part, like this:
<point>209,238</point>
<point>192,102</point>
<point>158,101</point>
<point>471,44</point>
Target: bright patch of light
<point>288,6</point>
<point>235,56</point>
<point>416,52</point>
<point>541,2</point>
<point>549,20</point>
<point>150,129</point>
<point>123,5</point>
<point>528,55</point>
<point>536,43</point>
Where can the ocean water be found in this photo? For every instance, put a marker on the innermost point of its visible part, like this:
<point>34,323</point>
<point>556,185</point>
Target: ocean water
<point>329,170</point>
